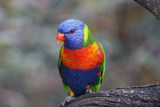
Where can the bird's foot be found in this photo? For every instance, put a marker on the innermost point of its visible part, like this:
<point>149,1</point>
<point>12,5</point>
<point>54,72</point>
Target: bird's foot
<point>67,100</point>
<point>89,91</point>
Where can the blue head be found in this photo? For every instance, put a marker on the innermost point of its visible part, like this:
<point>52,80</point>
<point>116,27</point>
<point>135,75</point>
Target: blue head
<point>71,32</point>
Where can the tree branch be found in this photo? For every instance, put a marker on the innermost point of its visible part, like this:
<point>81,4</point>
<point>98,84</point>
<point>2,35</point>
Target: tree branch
<point>140,96</point>
<point>152,5</point>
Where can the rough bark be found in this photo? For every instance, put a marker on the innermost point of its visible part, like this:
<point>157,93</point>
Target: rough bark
<point>139,96</point>
<point>152,5</point>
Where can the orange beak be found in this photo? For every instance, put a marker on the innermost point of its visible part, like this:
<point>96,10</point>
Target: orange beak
<point>60,37</point>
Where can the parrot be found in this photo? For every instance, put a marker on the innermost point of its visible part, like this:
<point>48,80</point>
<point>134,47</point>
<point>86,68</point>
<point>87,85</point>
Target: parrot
<point>81,60</point>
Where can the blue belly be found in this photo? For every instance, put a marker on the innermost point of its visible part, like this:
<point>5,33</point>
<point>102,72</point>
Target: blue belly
<point>78,80</point>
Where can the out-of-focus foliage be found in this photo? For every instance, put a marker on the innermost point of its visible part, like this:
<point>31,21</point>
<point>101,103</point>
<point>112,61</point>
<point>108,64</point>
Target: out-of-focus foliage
<point>28,50</point>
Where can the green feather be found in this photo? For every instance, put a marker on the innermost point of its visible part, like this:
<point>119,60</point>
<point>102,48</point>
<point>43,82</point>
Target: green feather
<point>96,87</point>
<point>88,39</point>
<point>66,87</point>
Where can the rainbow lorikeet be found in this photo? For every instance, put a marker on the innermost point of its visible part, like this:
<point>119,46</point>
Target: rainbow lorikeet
<point>81,59</point>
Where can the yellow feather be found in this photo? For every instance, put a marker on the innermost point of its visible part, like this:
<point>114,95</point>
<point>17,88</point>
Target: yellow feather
<point>85,33</point>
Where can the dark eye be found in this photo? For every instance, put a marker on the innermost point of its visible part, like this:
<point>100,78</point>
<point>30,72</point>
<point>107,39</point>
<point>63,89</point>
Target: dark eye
<point>72,31</point>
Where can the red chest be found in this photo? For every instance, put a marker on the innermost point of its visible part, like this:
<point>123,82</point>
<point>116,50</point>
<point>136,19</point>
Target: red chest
<point>85,58</point>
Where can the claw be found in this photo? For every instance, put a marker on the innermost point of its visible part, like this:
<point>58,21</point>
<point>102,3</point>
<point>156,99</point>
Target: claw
<point>89,91</point>
<point>67,100</point>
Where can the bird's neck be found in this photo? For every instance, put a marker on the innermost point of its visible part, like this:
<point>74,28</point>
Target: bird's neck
<point>88,39</point>
<point>73,45</point>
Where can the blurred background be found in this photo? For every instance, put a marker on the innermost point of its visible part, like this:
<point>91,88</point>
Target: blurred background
<point>29,75</point>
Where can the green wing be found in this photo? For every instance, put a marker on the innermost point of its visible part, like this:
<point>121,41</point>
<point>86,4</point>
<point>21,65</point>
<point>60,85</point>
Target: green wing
<point>96,87</point>
<point>66,87</point>
<point>102,66</point>
<point>60,63</point>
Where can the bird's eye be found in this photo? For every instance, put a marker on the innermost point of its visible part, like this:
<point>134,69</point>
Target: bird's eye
<point>72,31</point>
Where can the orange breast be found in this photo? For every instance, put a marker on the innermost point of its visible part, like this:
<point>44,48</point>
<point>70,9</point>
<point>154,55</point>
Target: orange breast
<point>84,59</point>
